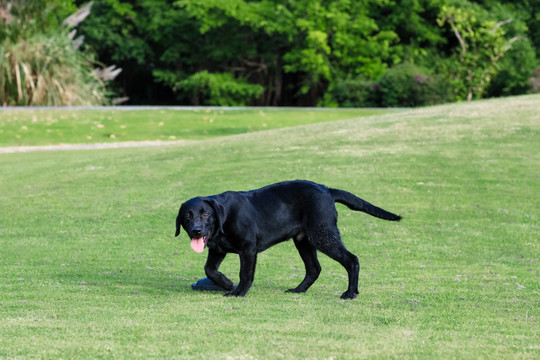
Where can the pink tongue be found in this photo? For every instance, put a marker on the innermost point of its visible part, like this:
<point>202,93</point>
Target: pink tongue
<point>197,244</point>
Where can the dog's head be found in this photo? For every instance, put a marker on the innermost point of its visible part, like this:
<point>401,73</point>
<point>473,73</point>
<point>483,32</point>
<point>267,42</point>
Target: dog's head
<point>201,218</point>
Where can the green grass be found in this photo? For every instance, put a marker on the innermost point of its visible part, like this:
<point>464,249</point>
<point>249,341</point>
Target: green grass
<point>74,126</point>
<point>89,267</point>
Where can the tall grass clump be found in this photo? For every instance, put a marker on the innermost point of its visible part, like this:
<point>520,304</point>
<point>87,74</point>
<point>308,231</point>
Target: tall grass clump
<point>47,71</point>
<point>42,65</point>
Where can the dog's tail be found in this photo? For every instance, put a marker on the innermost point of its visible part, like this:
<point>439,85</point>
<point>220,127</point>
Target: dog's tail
<point>357,204</point>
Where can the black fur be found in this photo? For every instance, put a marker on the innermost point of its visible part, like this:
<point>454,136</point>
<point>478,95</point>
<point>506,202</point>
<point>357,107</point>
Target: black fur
<point>247,223</point>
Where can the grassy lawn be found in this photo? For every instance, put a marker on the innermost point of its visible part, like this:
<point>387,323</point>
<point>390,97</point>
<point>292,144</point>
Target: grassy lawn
<point>79,126</point>
<point>89,267</point>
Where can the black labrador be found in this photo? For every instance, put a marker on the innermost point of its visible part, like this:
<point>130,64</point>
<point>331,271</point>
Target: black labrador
<point>247,223</point>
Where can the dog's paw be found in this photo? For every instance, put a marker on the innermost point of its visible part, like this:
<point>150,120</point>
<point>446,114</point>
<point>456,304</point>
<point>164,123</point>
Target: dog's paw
<point>295,290</point>
<point>349,295</point>
<point>233,294</point>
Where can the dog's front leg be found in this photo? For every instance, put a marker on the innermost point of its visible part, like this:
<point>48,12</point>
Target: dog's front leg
<point>248,260</point>
<point>211,269</point>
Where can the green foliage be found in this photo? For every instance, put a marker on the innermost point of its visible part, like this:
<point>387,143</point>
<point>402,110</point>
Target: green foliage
<point>304,52</point>
<point>313,40</point>
<point>414,22</point>
<point>482,43</point>
<point>403,85</point>
<point>515,70</point>
<point>357,92</point>
<point>293,49</point>
<point>519,62</point>
<point>211,89</point>
<point>311,60</point>
<point>219,89</point>
<point>409,85</point>
<point>111,31</point>
<point>111,27</point>
<point>333,39</point>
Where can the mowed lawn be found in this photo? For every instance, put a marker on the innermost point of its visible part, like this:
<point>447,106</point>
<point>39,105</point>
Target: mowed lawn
<point>89,266</point>
<point>26,127</point>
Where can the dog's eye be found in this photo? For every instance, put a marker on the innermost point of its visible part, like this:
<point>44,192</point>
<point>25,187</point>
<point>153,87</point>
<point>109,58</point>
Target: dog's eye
<point>205,215</point>
<point>188,216</point>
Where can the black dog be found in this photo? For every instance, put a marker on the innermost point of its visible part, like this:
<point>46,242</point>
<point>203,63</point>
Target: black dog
<point>247,223</point>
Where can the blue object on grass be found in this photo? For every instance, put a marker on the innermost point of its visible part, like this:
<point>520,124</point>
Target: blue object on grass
<point>205,284</point>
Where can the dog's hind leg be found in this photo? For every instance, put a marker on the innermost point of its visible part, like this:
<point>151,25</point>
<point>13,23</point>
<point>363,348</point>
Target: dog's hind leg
<point>328,241</point>
<point>308,253</point>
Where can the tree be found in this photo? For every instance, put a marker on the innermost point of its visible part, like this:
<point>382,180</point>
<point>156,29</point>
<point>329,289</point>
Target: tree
<point>309,43</point>
<point>310,52</point>
<point>482,43</point>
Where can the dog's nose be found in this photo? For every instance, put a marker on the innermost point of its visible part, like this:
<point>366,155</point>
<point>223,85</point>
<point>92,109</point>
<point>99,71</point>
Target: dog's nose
<point>196,231</point>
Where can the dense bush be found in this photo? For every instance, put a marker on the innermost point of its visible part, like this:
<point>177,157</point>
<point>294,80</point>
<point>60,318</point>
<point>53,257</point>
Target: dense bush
<point>211,89</point>
<point>357,92</point>
<point>409,85</point>
<point>404,85</point>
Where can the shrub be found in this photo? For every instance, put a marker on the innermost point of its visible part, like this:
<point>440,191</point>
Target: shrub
<point>409,85</point>
<point>47,71</point>
<point>355,93</point>
<point>221,89</point>
<point>39,61</point>
<point>404,85</point>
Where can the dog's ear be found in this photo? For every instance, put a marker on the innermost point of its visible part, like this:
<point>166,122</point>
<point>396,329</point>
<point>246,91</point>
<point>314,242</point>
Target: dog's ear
<point>178,222</point>
<point>220,212</point>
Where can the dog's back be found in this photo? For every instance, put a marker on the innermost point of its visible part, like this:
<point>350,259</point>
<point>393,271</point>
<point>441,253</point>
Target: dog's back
<point>277,212</point>
<point>301,194</point>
